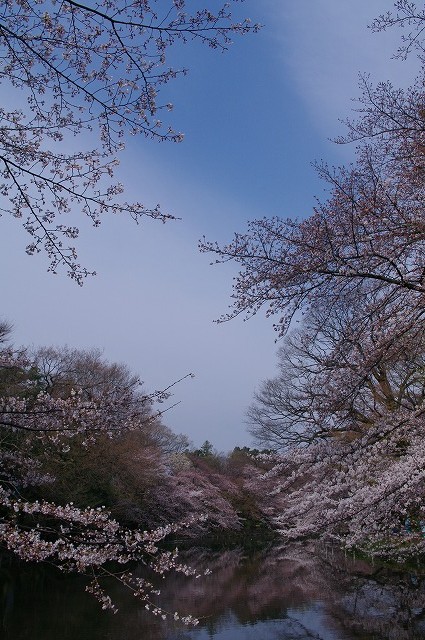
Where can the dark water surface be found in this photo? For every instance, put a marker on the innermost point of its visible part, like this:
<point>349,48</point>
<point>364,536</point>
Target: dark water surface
<point>283,594</point>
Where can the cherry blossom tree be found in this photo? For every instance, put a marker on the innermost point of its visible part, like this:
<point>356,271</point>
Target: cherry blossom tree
<point>333,384</point>
<point>35,423</point>
<point>87,73</point>
<point>347,407</point>
<point>350,431</point>
<point>410,18</point>
<point>365,493</point>
<point>90,479</point>
<point>367,238</point>
<point>189,489</point>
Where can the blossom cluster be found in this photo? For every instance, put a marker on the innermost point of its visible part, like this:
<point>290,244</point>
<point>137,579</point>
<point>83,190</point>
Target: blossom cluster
<point>36,424</point>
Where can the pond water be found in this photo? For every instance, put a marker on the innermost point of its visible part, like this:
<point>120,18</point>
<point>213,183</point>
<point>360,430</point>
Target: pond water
<point>281,594</point>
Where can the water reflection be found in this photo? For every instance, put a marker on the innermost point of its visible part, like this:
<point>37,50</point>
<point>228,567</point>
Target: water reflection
<point>284,594</point>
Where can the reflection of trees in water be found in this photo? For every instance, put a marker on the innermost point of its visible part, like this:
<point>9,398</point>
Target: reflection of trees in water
<point>374,599</point>
<point>357,598</point>
<point>260,586</point>
<point>284,586</point>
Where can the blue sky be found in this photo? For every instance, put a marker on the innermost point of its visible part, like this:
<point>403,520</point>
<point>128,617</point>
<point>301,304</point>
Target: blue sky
<point>254,118</point>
